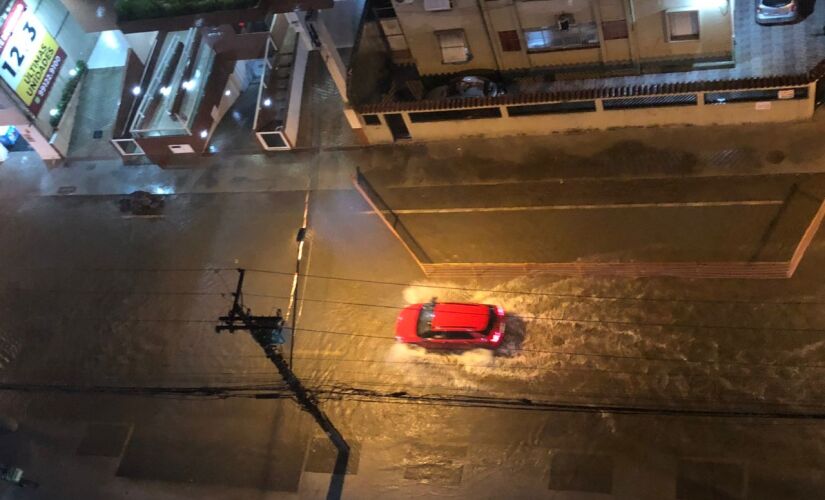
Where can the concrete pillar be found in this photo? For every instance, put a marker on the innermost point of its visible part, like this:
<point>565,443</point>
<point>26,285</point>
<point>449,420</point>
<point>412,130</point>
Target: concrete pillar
<point>314,35</point>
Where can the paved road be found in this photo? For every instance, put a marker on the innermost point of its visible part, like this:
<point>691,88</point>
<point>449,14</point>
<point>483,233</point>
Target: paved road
<point>70,318</point>
<point>710,219</point>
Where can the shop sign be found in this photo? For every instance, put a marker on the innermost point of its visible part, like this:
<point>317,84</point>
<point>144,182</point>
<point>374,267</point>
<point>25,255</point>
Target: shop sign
<point>29,56</point>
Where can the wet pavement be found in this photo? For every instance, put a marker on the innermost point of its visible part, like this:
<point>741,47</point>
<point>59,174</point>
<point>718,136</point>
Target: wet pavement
<point>95,118</point>
<point>109,324</point>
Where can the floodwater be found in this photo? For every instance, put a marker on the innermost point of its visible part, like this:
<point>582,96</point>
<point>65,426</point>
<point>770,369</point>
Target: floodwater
<point>92,298</point>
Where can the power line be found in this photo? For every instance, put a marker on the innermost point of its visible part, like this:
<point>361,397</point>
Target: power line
<point>214,392</point>
<point>442,287</point>
<point>535,293</point>
<point>516,349</point>
<point>369,395</point>
<point>590,354</point>
<point>582,320</point>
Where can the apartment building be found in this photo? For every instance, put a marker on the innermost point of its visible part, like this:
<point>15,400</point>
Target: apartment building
<point>452,36</point>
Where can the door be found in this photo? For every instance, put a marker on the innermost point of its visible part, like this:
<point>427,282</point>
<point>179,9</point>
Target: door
<point>446,339</point>
<point>397,126</point>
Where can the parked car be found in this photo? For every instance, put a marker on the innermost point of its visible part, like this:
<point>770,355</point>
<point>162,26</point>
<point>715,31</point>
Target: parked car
<point>467,86</point>
<point>776,11</point>
<point>435,324</point>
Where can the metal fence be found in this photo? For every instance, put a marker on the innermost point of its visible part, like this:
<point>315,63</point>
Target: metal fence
<point>390,218</point>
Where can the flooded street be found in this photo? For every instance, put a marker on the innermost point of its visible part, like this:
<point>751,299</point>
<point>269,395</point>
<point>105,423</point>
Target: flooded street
<point>659,387</point>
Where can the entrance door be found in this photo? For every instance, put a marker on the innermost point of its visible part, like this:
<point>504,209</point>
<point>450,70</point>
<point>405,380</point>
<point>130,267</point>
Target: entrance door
<point>397,126</point>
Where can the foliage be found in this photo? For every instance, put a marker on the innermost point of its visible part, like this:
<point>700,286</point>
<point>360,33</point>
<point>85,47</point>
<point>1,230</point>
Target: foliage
<point>68,92</point>
<point>131,10</point>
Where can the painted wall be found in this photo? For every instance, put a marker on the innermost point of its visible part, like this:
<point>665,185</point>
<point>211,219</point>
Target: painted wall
<point>715,31</point>
<point>420,26</point>
<point>721,114</point>
<point>503,15</point>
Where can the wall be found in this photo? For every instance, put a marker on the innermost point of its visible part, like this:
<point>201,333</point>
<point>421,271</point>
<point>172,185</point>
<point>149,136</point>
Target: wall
<point>648,30</point>
<point>715,30</point>
<point>142,43</point>
<point>420,26</point>
<point>699,114</point>
<point>63,133</point>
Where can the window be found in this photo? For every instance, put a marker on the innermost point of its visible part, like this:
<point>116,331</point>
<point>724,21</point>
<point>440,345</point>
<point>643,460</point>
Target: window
<point>509,41</point>
<point>580,36</point>
<point>436,5</point>
<point>682,25</point>
<point>458,335</point>
<point>614,30</point>
<point>453,46</point>
<point>371,119</point>
<point>395,37</point>
<point>454,114</point>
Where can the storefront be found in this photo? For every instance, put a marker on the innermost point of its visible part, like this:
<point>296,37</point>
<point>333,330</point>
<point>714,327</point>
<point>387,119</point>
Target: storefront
<point>42,50</point>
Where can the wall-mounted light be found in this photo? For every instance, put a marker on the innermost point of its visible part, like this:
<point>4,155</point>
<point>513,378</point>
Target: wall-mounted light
<point>53,112</point>
<point>165,90</point>
<point>204,133</point>
<point>228,92</point>
<point>136,90</point>
<point>267,102</point>
<point>73,72</point>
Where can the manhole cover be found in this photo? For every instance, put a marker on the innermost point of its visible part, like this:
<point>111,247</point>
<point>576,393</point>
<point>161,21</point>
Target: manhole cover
<point>66,189</point>
<point>97,134</point>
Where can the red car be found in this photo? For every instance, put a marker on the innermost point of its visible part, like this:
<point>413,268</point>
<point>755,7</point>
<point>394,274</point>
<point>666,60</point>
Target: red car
<point>448,324</point>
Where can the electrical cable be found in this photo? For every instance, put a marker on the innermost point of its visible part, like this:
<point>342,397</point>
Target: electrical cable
<point>290,274</point>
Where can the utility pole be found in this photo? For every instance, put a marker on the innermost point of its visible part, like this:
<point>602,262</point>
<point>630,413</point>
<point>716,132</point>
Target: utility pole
<point>266,330</point>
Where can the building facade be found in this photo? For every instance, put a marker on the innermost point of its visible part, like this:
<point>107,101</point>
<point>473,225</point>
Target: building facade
<point>452,36</point>
<point>163,83</point>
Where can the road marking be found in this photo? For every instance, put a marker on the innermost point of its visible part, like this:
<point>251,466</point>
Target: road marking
<point>536,208</point>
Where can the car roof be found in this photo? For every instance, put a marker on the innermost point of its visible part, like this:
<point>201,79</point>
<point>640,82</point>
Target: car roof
<point>453,316</point>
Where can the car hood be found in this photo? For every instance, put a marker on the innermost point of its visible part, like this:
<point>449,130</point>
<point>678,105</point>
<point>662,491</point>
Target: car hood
<point>406,325</point>
<point>457,317</point>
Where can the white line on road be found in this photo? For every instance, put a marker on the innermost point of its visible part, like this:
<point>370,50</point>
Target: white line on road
<point>689,204</point>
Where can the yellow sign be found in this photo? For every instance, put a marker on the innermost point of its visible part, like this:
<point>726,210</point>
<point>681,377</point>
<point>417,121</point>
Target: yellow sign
<point>37,71</point>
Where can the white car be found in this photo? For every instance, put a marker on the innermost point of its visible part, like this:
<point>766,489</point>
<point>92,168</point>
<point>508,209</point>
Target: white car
<point>776,11</point>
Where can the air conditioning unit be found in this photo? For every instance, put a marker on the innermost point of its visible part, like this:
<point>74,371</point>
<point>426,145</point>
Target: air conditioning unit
<point>565,21</point>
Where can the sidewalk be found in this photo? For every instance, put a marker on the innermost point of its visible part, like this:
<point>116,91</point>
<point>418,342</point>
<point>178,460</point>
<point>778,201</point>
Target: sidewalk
<point>622,153</point>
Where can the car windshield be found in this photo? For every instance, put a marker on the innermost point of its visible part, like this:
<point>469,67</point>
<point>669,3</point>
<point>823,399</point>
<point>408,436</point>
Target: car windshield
<point>776,3</point>
<point>425,319</point>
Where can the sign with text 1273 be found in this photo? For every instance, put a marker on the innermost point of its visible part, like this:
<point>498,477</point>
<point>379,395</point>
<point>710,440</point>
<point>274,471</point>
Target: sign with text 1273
<point>29,56</point>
